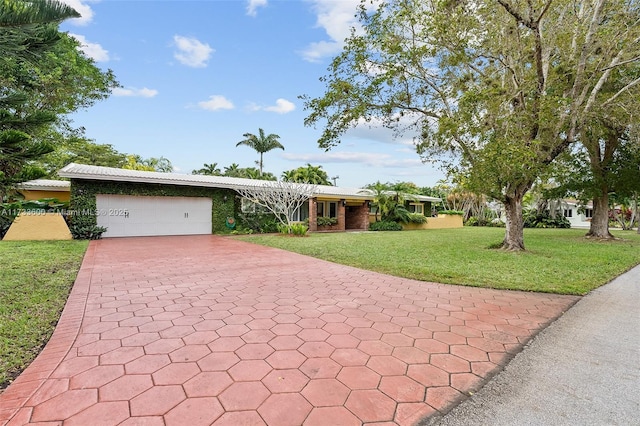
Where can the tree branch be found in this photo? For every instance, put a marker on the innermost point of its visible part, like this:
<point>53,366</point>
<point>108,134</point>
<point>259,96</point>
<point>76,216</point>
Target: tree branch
<point>621,91</point>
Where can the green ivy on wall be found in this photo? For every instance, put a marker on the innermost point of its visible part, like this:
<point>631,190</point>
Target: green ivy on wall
<point>83,199</point>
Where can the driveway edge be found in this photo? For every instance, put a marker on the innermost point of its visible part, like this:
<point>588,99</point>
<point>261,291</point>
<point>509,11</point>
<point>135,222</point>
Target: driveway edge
<point>33,377</point>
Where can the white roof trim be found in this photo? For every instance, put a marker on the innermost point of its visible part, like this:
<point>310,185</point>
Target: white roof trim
<point>86,172</point>
<point>45,185</point>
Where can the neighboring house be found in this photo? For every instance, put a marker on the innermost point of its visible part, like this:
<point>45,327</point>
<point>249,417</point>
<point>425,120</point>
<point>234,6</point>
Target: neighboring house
<point>578,215</point>
<point>141,203</point>
<point>45,188</point>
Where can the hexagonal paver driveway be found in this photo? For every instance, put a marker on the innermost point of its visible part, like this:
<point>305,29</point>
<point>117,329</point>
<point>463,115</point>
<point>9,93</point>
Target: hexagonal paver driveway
<point>203,330</point>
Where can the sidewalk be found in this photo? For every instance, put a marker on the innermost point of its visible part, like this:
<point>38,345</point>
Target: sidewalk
<point>582,370</point>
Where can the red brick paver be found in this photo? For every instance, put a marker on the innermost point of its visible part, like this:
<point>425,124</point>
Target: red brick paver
<point>211,330</point>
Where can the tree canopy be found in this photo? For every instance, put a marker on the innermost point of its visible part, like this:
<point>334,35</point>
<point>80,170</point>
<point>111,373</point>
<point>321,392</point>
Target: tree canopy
<point>208,169</point>
<point>43,76</point>
<point>151,164</point>
<point>307,174</point>
<point>494,89</point>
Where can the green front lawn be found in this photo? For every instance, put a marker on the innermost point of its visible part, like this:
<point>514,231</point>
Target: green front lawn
<point>556,260</point>
<point>35,280</point>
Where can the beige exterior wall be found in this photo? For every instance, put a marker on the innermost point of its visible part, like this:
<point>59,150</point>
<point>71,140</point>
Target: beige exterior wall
<point>41,226</point>
<point>31,195</point>
<point>443,221</point>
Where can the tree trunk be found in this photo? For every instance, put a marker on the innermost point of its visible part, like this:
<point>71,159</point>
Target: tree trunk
<point>514,235</point>
<point>600,221</point>
<point>635,196</point>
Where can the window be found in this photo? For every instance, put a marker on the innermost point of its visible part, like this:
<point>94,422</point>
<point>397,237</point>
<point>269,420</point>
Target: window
<point>568,212</point>
<point>247,206</point>
<point>302,213</point>
<point>333,209</point>
<point>588,213</point>
<point>327,209</point>
<point>416,208</point>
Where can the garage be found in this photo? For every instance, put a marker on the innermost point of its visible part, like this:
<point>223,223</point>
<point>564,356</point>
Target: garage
<point>133,216</point>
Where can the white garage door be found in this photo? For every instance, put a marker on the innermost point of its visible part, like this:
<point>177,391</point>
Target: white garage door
<point>132,216</point>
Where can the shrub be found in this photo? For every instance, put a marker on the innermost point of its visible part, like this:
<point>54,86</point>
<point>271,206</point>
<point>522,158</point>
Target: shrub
<point>87,232</point>
<point>299,229</point>
<point>474,221</point>
<point>397,213</point>
<point>385,225</point>
<point>456,212</point>
<point>481,221</point>
<point>326,221</point>
<point>417,218</point>
<point>258,223</point>
<point>535,219</point>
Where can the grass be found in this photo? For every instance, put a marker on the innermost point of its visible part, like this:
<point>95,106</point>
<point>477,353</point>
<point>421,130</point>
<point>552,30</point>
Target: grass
<point>556,261</point>
<point>35,280</point>
<point>36,277</point>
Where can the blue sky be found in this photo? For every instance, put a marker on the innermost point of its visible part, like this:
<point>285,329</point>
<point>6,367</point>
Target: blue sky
<point>197,75</point>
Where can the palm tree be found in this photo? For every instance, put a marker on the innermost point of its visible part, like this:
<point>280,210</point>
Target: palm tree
<point>382,201</point>
<point>208,169</point>
<point>232,171</point>
<point>261,143</point>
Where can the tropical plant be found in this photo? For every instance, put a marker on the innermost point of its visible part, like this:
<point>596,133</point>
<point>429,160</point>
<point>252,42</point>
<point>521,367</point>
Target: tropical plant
<point>15,13</point>
<point>389,200</point>
<point>87,232</point>
<point>234,170</point>
<point>208,169</point>
<point>382,199</point>
<point>397,213</point>
<point>261,143</point>
<point>326,221</point>
<point>299,229</point>
<point>416,218</point>
<point>308,174</point>
<point>295,229</point>
<point>152,164</point>
<point>536,219</point>
<point>43,76</point>
<point>385,226</point>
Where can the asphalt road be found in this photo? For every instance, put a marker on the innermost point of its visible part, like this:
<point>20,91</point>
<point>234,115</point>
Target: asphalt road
<point>584,369</point>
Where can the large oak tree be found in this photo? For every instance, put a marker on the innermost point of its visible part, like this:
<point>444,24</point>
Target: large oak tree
<point>495,89</point>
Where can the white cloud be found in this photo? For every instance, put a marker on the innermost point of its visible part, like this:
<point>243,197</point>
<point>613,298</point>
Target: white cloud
<point>404,134</point>
<point>133,92</point>
<point>336,18</point>
<point>83,9</point>
<point>253,5</point>
<point>92,50</point>
<point>215,103</point>
<point>191,51</point>
<point>282,106</point>
<point>369,159</point>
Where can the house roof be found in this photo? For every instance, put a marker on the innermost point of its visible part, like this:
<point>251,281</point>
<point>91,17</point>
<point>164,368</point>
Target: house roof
<point>86,172</point>
<point>45,185</point>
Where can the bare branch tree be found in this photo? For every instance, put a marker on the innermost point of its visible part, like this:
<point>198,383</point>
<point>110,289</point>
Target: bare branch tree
<point>283,199</point>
